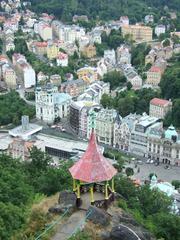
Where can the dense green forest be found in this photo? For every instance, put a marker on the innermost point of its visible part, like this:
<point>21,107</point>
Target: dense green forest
<point>21,183</point>
<point>12,107</point>
<point>104,9</point>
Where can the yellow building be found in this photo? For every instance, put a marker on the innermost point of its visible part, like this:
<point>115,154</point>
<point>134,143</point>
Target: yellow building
<point>10,78</point>
<point>88,74</point>
<point>52,50</point>
<point>89,51</point>
<point>138,33</point>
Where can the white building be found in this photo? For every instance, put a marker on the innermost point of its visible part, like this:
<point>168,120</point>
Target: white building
<point>123,55</point>
<point>104,125</point>
<point>124,21</point>
<point>50,104</point>
<point>95,91</point>
<point>160,29</point>
<point>110,56</point>
<point>62,59</point>
<point>149,19</point>
<point>164,146</point>
<point>139,135</point>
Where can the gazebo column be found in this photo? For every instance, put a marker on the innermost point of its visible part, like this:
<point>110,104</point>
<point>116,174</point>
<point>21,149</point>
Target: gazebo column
<point>92,194</point>
<point>112,187</point>
<point>74,185</point>
<point>106,194</point>
<point>78,195</point>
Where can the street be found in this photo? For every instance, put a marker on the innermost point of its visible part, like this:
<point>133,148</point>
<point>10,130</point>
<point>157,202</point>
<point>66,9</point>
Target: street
<point>164,174</point>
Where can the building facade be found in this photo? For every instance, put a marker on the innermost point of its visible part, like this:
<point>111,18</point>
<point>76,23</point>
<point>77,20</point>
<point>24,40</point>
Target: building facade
<point>164,146</point>
<point>154,76</point>
<point>50,104</point>
<point>159,108</point>
<point>138,33</point>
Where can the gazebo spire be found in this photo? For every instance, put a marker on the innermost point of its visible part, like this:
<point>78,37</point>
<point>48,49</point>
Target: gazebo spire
<point>92,166</point>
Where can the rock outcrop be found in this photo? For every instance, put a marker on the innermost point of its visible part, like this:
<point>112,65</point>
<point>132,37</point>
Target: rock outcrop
<point>98,216</point>
<point>67,200</point>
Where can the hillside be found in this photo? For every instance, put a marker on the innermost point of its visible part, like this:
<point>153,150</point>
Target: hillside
<point>103,9</point>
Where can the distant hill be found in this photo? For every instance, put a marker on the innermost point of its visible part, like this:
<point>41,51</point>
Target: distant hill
<point>104,9</point>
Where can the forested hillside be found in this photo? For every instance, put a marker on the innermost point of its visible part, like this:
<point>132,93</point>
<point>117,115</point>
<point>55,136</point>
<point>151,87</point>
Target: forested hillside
<point>104,9</point>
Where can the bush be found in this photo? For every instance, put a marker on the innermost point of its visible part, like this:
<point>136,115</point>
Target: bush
<point>176,183</point>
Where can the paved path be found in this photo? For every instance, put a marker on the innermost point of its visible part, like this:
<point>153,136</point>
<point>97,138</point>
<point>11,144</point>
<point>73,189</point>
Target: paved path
<point>67,228</point>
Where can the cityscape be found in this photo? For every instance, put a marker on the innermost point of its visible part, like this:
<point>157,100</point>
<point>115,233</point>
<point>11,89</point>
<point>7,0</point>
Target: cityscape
<point>90,120</point>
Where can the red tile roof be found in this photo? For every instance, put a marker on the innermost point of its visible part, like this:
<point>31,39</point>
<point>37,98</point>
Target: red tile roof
<point>92,166</point>
<point>158,101</point>
<point>155,69</point>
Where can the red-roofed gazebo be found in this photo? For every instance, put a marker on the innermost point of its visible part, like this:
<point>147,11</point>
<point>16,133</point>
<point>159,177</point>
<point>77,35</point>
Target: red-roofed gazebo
<point>91,169</point>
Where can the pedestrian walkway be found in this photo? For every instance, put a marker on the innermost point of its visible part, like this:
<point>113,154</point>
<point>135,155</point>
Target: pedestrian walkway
<point>67,228</point>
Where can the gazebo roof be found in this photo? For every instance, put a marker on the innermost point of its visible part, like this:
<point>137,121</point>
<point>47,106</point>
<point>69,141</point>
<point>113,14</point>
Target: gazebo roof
<point>92,166</point>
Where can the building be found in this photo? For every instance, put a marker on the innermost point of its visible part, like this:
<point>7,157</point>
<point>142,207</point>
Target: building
<point>52,50</point>
<point>10,77</point>
<point>110,56</point>
<point>159,29</point>
<point>150,58</point>
<point>78,121</point>
<point>164,146</point>
<point>55,79</point>
<point>138,33</point>
<point>73,87</point>
<point>104,125</point>
<point>159,108</point>
<point>26,130</point>
<point>122,131</point>
<point>26,70</point>
<point>154,76</point>
<point>134,79</point>
<point>45,31</point>
<point>124,21</point>
<point>149,19</point>
<point>20,149</point>
<point>39,48</point>
<point>50,104</point>
<point>139,134</point>
<point>77,18</point>
<point>123,55</point>
<point>88,74</point>
<point>62,148</point>
<point>95,91</point>
<point>62,59</point>
<point>89,51</point>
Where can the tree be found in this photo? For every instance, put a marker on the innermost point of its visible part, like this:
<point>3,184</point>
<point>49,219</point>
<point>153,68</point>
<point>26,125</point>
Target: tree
<point>166,42</point>
<point>115,79</point>
<point>176,183</point>
<point>129,86</point>
<point>129,171</point>
<point>39,160</point>
<point>106,101</point>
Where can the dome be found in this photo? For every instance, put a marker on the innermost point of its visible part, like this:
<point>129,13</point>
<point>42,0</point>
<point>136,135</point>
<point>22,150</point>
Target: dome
<point>170,132</point>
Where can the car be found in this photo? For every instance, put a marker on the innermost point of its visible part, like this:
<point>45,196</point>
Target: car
<point>148,161</point>
<point>151,161</point>
<point>140,162</point>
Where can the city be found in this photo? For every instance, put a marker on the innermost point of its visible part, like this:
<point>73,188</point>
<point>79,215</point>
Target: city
<point>106,90</point>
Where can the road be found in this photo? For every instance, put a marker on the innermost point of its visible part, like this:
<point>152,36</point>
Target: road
<point>21,92</point>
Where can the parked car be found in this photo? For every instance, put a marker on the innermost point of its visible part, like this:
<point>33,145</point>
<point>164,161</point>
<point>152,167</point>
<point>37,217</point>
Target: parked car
<point>148,161</point>
<point>140,162</point>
